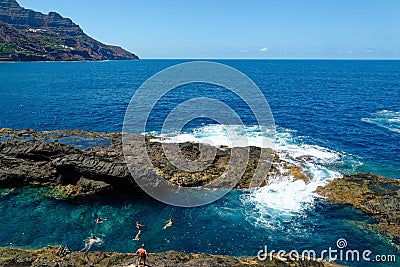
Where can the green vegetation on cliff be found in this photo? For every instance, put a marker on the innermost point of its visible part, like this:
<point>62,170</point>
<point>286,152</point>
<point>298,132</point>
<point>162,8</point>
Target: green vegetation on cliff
<point>27,35</point>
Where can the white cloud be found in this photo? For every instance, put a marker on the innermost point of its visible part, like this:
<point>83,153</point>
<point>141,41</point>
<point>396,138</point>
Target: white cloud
<point>244,51</point>
<point>264,49</point>
<point>371,50</point>
<point>345,51</point>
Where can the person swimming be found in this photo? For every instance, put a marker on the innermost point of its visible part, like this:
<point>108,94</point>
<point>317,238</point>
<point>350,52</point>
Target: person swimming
<point>169,223</point>
<point>137,237</point>
<point>138,224</point>
<point>99,220</point>
<point>93,240</point>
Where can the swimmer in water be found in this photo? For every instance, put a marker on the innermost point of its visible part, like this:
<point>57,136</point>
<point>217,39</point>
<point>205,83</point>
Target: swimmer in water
<point>99,220</point>
<point>137,237</point>
<point>169,223</point>
<point>138,224</point>
<point>93,240</point>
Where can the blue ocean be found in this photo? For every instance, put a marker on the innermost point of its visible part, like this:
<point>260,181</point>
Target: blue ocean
<point>342,116</point>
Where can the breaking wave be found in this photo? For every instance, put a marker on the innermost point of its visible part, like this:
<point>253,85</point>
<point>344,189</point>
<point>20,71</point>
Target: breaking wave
<point>283,197</point>
<point>387,119</point>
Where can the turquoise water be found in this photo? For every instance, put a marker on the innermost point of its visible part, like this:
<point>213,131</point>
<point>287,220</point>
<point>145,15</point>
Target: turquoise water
<point>30,218</point>
<point>344,114</point>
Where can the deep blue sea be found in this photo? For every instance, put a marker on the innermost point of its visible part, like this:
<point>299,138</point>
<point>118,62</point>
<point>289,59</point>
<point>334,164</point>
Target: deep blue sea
<point>343,115</point>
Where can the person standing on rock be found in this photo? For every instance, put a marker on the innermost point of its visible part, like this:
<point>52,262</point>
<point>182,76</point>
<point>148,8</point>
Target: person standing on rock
<point>142,255</point>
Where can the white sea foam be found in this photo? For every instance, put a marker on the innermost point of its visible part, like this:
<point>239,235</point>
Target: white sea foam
<point>285,197</point>
<point>387,119</point>
<point>223,135</point>
<point>282,197</point>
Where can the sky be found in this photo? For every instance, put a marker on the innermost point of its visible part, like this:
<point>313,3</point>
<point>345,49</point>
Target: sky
<point>253,29</point>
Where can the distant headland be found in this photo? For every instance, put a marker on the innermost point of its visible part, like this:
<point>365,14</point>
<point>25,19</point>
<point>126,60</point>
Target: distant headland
<point>27,35</point>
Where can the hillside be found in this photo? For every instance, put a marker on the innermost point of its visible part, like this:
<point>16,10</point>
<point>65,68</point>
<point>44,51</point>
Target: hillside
<point>27,35</point>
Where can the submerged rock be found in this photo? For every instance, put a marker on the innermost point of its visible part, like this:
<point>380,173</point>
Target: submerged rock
<point>59,257</point>
<point>83,187</point>
<point>374,194</point>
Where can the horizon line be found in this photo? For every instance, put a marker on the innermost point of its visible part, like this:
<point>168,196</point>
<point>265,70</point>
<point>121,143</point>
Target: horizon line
<point>194,58</point>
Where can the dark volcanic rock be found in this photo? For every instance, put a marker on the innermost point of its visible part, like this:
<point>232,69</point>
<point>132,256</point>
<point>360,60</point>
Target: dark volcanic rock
<point>87,186</point>
<point>34,162</point>
<point>92,166</point>
<point>32,157</point>
<point>57,257</point>
<point>35,150</point>
<point>27,162</point>
<point>27,35</point>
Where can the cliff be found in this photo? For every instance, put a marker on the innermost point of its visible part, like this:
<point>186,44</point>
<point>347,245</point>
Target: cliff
<point>27,35</point>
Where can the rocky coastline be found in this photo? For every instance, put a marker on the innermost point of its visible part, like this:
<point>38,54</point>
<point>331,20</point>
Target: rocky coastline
<point>376,195</point>
<point>83,163</point>
<point>59,257</point>
<point>80,163</point>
